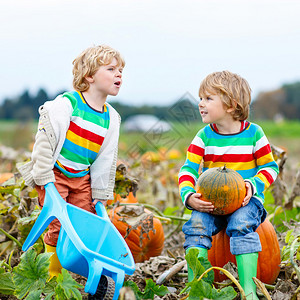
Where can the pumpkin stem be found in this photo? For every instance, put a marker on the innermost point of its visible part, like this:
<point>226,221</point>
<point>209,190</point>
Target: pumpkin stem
<point>223,169</point>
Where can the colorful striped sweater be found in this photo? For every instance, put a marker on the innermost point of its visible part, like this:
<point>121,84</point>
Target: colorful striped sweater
<point>84,137</point>
<point>54,122</point>
<point>248,152</point>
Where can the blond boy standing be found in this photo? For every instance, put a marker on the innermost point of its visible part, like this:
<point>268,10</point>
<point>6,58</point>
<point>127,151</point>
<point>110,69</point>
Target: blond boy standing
<point>77,140</point>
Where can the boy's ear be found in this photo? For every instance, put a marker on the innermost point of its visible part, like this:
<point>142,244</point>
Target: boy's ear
<point>230,110</point>
<point>233,107</point>
<point>89,79</point>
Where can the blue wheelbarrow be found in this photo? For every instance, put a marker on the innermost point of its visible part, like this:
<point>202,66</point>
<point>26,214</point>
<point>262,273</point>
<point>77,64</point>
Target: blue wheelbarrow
<point>88,244</point>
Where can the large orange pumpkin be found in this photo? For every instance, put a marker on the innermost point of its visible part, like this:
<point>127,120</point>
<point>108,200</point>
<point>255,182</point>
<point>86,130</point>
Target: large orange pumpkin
<point>268,259</point>
<point>148,246</point>
<point>224,187</point>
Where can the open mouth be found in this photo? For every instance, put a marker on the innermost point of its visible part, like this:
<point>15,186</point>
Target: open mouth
<point>117,83</point>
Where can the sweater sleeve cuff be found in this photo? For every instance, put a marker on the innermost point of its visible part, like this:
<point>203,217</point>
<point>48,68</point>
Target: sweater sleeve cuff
<point>25,171</point>
<point>185,201</point>
<point>102,194</point>
<point>45,179</point>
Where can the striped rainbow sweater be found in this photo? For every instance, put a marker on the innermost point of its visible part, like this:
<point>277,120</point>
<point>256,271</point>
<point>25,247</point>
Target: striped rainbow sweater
<point>84,137</point>
<point>248,152</point>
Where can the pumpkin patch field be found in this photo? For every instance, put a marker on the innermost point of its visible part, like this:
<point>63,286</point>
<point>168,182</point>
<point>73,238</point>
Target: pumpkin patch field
<point>149,214</point>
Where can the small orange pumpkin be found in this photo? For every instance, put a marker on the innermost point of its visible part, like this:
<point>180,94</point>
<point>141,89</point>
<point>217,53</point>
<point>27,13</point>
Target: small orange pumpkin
<point>129,199</point>
<point>224,188</point>
<point>5,176</point>
<point>174,154</point>
<point>148,246</point>
<point>268,266</point>
<point>150,157</point>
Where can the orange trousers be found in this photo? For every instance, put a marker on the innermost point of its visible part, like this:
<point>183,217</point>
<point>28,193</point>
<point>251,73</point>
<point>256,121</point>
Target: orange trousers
<point>76,191</point>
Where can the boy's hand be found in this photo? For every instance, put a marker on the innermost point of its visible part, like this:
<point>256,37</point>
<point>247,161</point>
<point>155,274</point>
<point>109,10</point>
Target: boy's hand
<point>104,202</point>
<point>195,202</point>
<point>248,194</point>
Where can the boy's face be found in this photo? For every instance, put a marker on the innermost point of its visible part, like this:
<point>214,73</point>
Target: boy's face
<point>108,79</point>
<point>213,110</point>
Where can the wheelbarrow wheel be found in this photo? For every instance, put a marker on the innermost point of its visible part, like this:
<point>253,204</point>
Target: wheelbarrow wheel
<point>105,289</point>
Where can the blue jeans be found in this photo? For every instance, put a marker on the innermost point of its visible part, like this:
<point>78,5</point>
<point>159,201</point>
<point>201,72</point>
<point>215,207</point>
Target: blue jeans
<point>241,226</point>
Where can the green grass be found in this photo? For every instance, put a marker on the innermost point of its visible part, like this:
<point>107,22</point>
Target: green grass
<point>179,138</point>
<point>286,129</point>
<point>285,134</point>
<point>16,134</point>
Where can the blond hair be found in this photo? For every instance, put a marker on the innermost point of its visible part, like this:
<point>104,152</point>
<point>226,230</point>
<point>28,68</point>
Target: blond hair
<point>234,91</point>
<point>89,61</point>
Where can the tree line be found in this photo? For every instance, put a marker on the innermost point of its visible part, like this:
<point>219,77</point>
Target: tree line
<point>25,108</point>
<point>280,103</point>
<point>283,103</point>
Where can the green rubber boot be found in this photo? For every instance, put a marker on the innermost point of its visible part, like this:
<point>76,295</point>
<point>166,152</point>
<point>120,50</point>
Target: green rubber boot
<point>247,268</point>
<point>202,253</point>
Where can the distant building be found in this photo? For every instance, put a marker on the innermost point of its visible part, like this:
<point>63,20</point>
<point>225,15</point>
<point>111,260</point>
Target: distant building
<point>145,123</point>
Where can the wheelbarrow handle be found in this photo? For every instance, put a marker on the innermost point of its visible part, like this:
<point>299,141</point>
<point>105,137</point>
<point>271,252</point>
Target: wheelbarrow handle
<point>100,210</point>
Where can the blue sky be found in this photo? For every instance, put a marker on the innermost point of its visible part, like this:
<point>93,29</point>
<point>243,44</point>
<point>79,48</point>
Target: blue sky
<point>169,46</point>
